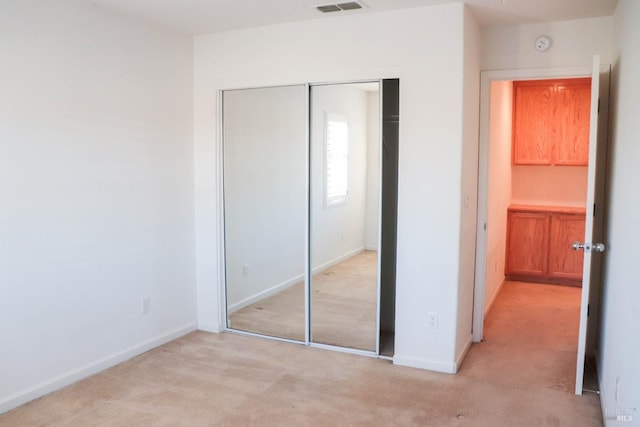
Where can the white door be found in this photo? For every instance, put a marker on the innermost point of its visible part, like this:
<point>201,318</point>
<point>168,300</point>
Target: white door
<point>593,245</point>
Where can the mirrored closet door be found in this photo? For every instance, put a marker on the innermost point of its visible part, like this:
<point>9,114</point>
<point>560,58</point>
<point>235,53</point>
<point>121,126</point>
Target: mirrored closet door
<point>265,209</point>
<point>344,212</point>
<point>302,173</point>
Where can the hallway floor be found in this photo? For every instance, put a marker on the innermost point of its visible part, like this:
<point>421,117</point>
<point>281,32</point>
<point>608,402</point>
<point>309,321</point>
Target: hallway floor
<point>533,330</point>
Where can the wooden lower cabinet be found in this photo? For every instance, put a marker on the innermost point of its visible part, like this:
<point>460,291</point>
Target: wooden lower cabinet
<point>528,244</point>
<point>564,262</point>
<point>539,244</point>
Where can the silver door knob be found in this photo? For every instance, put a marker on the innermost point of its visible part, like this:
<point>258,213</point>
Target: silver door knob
<point>588,247</point>
<point>576,246</point>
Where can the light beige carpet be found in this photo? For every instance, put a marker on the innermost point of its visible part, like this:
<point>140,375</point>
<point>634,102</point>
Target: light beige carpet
<point>532,330</point>
<point>230,380</point>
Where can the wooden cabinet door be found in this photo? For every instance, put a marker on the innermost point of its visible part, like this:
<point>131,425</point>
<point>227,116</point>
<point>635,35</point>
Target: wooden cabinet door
<point>527,244</point>
<point>573,107</point>
<point>564,262</point>
<point>533,117</point>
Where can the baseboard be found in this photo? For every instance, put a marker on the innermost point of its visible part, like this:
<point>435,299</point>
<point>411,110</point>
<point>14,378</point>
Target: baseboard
<point>264,294</point>
<point>565,281</point>
<point>290,282</point>
<point>210,327</point>
<point>46,387</point>
<point>609,419</point>
<point>338,260</point>
<point>493,298</point>
<point>603,402</point>
<point>430,365</point>
<point>463,353</point>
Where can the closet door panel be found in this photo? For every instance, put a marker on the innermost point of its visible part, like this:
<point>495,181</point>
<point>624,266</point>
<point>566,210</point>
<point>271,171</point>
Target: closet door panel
<point>265,197</point>
<point>344,214</point>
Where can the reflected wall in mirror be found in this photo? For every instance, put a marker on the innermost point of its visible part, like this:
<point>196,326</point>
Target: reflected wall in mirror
<point>344,213</point>
<point>265,214</point>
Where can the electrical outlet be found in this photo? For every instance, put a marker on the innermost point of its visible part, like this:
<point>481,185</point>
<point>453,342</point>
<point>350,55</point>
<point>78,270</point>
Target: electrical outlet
<point>433,320</point>
<point>146,305</point>
<point>245,270</point>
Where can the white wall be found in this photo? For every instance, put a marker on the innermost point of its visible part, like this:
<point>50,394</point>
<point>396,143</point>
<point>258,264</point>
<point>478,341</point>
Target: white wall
<point>498,187</point>
<point>574,44</point>
<point>618,366</point>
<point>96,183</point>
<point>430,147</point>
<point>550,185</point>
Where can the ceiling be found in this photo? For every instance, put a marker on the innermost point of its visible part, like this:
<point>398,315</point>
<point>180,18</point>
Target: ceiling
<point>210,16</point>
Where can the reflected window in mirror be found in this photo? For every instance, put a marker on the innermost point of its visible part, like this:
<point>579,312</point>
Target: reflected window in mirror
<point>336,159</point>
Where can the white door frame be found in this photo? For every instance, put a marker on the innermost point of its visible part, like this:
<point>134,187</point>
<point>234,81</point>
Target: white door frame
<point>486,77</point>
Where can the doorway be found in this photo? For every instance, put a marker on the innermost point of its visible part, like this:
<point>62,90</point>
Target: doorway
<point>491,260</point>
<point>537,187</point>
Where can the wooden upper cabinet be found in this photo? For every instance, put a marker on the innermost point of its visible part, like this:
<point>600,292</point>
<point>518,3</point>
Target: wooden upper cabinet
<point>533,109</point>
<point>551,122</point>
<point>572,124</point>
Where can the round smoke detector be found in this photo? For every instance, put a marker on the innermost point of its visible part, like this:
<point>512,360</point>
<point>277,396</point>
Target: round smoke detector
<point>543,43</point>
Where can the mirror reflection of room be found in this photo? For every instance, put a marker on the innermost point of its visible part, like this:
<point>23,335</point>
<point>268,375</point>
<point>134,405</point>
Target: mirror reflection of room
<point>345,178</point>
<point>265,192</point>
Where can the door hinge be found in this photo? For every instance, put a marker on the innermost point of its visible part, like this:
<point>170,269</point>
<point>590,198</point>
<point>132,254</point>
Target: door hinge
<point>594,209</point>
<point>598,105</point>
<point>588,310</point>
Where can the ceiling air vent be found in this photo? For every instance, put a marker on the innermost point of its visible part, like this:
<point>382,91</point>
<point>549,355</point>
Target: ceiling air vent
<point>339,7</point>
<point>329,8</point>
<point>349,6</point>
